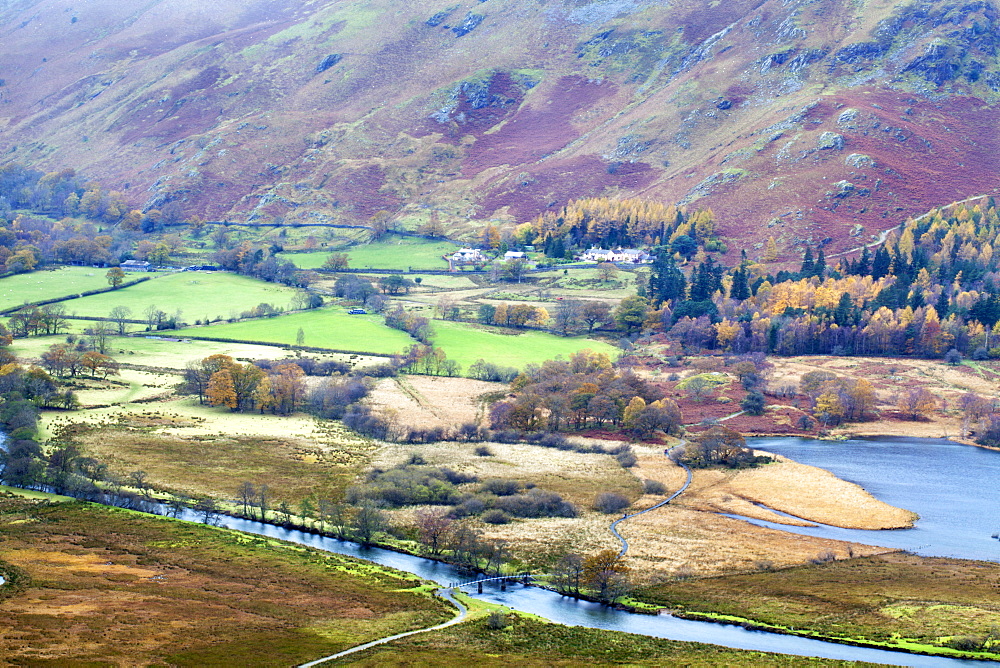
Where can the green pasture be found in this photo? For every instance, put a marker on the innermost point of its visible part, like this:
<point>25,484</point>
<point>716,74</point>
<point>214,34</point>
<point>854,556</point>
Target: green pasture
<point>40,285</point>
<point>392,252</point>
<point>323,328</point>
<point>155,352</point>
<point>467,343</point>
<point>196,295</point>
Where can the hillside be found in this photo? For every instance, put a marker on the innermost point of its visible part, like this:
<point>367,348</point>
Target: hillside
<point>806,120</point>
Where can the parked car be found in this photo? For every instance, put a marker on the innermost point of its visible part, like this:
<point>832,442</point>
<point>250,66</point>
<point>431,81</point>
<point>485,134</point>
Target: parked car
<point>357,311</point>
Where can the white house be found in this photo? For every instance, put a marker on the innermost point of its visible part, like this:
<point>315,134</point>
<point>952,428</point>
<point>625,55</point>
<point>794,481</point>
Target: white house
<point>624,255</point>
<point>468,255</point>
<point>514,255</point>
<point>136,265</point>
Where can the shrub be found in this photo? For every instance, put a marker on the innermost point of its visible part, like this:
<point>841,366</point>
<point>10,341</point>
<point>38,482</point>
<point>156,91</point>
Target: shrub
<point>470,505</point>
<point>654,487</point>
<point>483,451</point>
<point>554,441</point>
<point>610,502</point>
<point>965,643</point>
<point>753,403</point>
<point>626,458</point>
<point>497,620</point>
<point>536,503</point>
<point>495,516</point>
<point>501,487</point>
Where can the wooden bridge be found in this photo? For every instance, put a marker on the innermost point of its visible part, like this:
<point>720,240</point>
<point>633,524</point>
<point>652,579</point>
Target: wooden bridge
<point>523,578</point>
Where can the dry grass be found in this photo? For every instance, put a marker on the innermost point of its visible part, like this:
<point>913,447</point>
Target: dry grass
<point>678,542</point>
<point>577,477</point>
<point>432,401</point>
<point>806,492</point>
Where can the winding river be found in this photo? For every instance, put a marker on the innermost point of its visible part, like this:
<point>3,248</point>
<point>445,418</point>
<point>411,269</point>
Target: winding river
<point>892,470</point>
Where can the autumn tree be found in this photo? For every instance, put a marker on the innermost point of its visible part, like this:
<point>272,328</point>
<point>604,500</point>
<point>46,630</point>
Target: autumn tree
<point>606,574</point>
<point>336,261</point>
<point>220,390</point>
<point>607,271</point>
<point>115,276</point>
<point>918,403</point>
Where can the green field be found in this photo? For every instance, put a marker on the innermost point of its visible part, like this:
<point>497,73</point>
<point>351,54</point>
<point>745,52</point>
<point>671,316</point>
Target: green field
<point>323,328</point>
<point>40,285</point>
<point>196,295</point>
<point>389,253</point>
<point>467,343</point>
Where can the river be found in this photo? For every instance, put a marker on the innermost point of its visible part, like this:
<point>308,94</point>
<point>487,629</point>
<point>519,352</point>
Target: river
<point>564,610</point>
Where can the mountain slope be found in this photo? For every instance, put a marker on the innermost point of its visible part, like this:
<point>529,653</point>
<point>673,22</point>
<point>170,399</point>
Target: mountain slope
<point>803,119</point>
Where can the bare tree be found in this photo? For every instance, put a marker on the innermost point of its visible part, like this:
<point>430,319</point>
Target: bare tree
<point>433,526</point>
<point>368,521</point>
<point>119,315</point>
<point>99,334</point>
<point>263,499</point>
<point>247,495</point>
<point>567,316</point>
<point>568,573</point>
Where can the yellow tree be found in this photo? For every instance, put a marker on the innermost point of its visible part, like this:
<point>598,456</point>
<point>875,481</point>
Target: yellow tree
<point>220,390</point>
<point>632,411</point>
<point>829,409</point>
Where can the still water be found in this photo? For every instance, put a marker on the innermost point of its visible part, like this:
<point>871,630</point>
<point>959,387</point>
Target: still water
<point>952,487</point>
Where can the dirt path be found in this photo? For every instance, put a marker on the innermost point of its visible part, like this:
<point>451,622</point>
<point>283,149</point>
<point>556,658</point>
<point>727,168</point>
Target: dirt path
<point>614,525</point>
<point>445,594</point>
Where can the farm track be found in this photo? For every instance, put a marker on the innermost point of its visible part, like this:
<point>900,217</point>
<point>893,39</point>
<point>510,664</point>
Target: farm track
<point>447,595</point>
<point>687,483</point>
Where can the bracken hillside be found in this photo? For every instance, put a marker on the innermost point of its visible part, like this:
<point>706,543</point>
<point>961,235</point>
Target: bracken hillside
<point>806,120</point>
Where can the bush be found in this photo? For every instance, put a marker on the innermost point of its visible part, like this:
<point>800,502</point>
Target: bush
<point>483,451</point>
<point>626,458</point>
<point>610,502</point>
<point>536,503</point>
<point>470,505</point>
<point>495,516</point>
<point>554,441</point>
<point>654,487</point>
<point>753,403</point>
<point>501,487</point>
<point>497,620</point>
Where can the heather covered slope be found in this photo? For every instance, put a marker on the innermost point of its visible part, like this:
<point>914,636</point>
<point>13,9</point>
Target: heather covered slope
<point>801,119</point>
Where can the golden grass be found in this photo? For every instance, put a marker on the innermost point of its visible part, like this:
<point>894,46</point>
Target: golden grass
<point>577,477</point>
<point>432,401</point>
<point>675,541</point>
<point>804,491</point>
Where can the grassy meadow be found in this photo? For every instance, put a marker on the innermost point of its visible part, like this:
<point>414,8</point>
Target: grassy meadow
<point>391,252</point>
<point>41,285</point>
<point>323,328</point>
<point>105,586</point>
<point>917,602</point>
<point>195,295</point>
<point>467,343</point>
<point>530,641</point>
